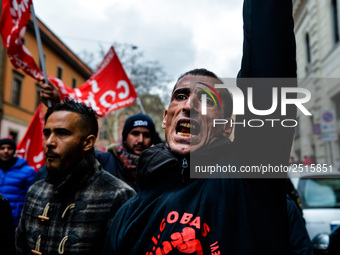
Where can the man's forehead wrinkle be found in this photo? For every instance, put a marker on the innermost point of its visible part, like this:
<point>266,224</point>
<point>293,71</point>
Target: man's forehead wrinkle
<point>199,82</point>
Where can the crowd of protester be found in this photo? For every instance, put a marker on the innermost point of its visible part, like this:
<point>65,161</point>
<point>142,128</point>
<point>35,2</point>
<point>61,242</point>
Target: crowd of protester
<point>138,197</point>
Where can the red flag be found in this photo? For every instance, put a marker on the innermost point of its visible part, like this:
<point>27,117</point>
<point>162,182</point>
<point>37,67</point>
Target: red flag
<point>31,145</point>
<point>107,90</point>
<point>14,17</point>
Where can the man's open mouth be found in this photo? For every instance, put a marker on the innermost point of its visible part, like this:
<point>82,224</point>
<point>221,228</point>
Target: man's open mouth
<point>187,129</point>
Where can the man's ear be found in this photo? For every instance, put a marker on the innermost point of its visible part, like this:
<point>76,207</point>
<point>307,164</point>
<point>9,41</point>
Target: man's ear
<point>89,143</point>
<point>228,129</point>
<point>165,115</point>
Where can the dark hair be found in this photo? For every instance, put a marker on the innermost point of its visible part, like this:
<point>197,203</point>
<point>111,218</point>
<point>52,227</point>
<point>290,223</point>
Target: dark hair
<point>87,114</point>
<point>228,102</point>
<point>201,72</point>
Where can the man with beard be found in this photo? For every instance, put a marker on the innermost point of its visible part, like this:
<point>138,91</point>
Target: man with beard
<point>121,159</point>
<point>70,210</point>
<point>176,214</point>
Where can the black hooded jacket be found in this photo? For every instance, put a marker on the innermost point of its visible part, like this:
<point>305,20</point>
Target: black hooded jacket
<point>174,214</point>
<point>174,211</point>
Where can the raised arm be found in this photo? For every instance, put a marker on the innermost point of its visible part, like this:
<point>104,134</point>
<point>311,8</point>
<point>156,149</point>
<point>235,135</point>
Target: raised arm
<point>269,41</point>
<point>268,52</point>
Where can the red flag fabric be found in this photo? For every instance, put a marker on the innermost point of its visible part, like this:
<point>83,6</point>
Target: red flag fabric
<point>108,89</point>
<point>14,17</point>
<point>31,145</point>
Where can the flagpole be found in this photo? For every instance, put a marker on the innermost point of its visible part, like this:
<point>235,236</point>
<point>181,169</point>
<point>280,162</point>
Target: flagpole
<point>139,102</point>
<point>41,53</point>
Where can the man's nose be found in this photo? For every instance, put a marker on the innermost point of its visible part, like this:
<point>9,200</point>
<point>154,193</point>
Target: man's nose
<point>50,141</point>
<point>195,103</point>
<point>187,105</point>
<point>140,138</point>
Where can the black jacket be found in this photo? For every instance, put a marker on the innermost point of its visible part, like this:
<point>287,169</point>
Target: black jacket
<point>237,216</point>
<point>174,214</point>
<point>6,227</point>
<point>71,216</point>
<point>300,242</point>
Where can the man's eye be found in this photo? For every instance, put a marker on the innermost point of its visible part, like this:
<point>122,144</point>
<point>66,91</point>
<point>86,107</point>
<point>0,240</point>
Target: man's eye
<point>46,133</point>
<point>210,102</point>
<point>181,97</point>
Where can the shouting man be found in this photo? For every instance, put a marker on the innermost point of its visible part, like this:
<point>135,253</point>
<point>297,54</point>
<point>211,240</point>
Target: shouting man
<point>176,214</point>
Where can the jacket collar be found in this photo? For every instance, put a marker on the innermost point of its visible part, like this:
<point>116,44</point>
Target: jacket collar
<point>159,165</point>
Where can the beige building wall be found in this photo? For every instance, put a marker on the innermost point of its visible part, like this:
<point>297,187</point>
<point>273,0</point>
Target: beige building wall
<point>16,116</point>
<point>319,72</point>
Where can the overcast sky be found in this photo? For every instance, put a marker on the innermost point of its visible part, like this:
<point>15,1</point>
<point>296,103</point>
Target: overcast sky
<point>180,34</point>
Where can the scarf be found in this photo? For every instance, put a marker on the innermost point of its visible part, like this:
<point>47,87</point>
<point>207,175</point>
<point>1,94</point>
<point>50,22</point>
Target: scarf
<point>129,160</point>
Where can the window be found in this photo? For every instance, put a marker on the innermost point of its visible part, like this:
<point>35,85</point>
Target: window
<point>320,192</point>
<point>309,58</point>
<point>308,54</point>
<point>40,65</point>
<point>16,88</point>
<point>14,135</point>
<point>37,95</point>
<point>298,155</point>
<point>74,83</point>
<point>336,101</point>
<point>59,72</point>
<point>297,129</point>
<point>335,21</point>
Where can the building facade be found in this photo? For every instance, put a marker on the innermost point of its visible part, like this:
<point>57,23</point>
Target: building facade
<point>318,67</point>
<point>19,93</point>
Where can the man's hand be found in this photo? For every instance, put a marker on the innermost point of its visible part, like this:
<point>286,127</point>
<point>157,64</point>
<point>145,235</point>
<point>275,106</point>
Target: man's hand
<point>49,93</point>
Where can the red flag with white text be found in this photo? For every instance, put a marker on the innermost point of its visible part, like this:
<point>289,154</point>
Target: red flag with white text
<point>14,17</point>
<point>31,145</point>
<point>108,89</point>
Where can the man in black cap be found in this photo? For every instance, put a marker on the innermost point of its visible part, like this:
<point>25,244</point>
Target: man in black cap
<point>16,177</point>
<point>138,135</point>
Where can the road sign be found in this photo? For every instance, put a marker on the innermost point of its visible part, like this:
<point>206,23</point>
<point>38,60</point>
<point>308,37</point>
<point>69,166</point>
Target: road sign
<point>328,121</point>
<point>327,116</point>
<point>316,129</point>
